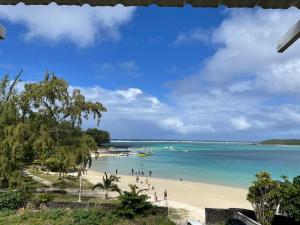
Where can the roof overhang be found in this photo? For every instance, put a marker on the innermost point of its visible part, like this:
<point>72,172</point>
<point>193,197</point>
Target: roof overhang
<point>289,38</point>
<point>266,4</point>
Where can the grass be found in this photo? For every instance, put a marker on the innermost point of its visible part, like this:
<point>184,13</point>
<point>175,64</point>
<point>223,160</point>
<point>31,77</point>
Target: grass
<point>66,182</point>
<point>178,215</point>
<point>76,217</point>
<point>74,198</point>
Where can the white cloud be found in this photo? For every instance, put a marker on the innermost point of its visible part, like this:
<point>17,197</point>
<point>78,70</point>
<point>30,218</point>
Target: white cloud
<point>240,123</point>
<point>246,50</point>
<point>81,25</point>
<point>130,94</point>
<point>198,35</point>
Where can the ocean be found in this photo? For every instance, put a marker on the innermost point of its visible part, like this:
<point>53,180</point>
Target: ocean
<point>224,163</point>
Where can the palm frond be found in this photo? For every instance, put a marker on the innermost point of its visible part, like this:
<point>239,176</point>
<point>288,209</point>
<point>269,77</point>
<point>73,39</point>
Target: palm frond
<point>98,185</point>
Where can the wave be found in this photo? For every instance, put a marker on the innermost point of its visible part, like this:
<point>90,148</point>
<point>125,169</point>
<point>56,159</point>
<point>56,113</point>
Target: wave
<point>178,141</point>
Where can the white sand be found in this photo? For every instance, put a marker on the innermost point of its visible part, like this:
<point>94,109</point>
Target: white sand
<point>191,196</point>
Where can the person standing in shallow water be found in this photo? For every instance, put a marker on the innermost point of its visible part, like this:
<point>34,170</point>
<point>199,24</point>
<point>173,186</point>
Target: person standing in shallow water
<point>132,171</point>
<point>116,172</point>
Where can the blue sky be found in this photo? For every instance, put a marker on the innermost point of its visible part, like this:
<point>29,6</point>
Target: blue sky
<point>165,73</point>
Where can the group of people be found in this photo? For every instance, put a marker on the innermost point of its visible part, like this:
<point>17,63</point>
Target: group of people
<point>141,173</point>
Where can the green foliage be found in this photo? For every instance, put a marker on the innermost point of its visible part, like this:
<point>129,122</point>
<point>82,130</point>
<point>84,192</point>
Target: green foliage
<point>42,123</point>
<point>10,200</point>
<point>76,217</point>
<point>87,217</point>
<point>101,137</point>
<point>290,197</point>
<point>264,195</point>
<point>108,184</point>
<point>52,164</point>
<point>42,198</point>
<point>281,142</point>
<point>134,203</point>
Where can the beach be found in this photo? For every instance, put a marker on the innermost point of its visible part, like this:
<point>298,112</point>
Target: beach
<point>191,196</point>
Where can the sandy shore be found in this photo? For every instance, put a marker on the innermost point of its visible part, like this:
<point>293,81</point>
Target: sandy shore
<point>191,196</point>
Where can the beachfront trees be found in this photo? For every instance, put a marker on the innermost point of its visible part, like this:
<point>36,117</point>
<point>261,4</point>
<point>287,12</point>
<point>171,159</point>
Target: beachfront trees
<point>101,136</point>
<point>290,197</point>
<point>83,158</point>
<point>264,195</point>
<point>108,184</point>
<point>43,120</point>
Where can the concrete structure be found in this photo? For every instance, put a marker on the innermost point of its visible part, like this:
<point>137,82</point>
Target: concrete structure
<point>266,4</point>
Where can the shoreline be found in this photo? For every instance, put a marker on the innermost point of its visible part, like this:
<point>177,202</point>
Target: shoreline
<point>191,196</point>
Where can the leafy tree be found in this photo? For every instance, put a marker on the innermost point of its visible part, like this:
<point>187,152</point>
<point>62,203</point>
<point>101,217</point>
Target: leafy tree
<point>43,121</point>
<point>133,202</point>
<point>101,136</point>
<point>290,197</point>
<point>83,157</point>
<point>108,184</point>
<point>264,195</point>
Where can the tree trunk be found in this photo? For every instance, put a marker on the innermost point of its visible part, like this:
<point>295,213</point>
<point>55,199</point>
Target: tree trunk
<point>80,188</point>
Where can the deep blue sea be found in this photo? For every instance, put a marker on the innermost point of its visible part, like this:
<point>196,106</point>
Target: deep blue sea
<point>225,163</point>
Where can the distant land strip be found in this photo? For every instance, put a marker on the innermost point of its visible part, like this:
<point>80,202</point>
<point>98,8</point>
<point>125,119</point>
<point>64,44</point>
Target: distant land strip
<point>281,142</point>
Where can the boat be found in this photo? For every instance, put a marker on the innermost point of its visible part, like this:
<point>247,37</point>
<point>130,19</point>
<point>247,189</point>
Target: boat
<point>143,154</point>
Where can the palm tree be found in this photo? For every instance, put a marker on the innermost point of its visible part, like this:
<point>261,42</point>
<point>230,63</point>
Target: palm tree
<point>108,184</point>
<point>134,189</point>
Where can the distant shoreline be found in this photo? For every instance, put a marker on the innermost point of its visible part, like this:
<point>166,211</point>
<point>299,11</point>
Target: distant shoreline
<point>281,142</point>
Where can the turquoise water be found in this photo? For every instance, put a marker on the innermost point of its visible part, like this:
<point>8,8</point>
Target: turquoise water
<point>233,164</point>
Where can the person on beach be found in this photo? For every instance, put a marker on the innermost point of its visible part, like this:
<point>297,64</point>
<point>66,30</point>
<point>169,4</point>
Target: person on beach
<point>152,187</point>
<point>132,171</point>
<point>165,195</point>
<point>105,173</point>
<point>142,173</point>
<point>150,173</point>
<point>155,197</point>
<point>116,172</point>
<point>137,179</point>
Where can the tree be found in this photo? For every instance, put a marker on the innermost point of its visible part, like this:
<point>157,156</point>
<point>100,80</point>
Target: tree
<point>133,202</point>
<point>101,136</point>
<point>10,151</point>
<point>84,158</point>
<point>108,184</point>
<point>290,197</point>
<point>43,121</point>
<point>264,195</point>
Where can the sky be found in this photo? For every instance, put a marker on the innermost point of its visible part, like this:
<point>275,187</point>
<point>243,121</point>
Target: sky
<point>165,73</point>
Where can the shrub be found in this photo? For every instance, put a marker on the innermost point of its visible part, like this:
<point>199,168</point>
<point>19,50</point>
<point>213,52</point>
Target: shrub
<point>133,203</point>
<point>264,195</point>
<point>87,217</point>
<point>42,198</point>
<point>290,197</point>
<point>10,200</point>
<point>52,164</point>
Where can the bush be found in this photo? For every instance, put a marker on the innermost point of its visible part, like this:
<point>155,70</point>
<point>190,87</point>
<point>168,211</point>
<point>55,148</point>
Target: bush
<point>132,204</point>
<point>10,200</point>
<point>42,198</point>
<point>290,197</point>
<point>264,195</point>
<point>52,164</point>
<point>87,217</point>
